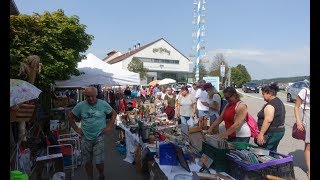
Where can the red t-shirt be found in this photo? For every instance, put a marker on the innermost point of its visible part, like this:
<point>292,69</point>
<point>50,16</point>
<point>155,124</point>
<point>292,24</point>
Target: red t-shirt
<point>228,117</point>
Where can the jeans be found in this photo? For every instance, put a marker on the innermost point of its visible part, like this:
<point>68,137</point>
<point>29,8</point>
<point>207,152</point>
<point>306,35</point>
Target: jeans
<point>187,121</point>
<point>274,140</point>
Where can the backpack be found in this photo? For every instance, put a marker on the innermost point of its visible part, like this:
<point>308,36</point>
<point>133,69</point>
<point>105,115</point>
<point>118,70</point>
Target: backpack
<point>223,103</point>
<point>252,123</point>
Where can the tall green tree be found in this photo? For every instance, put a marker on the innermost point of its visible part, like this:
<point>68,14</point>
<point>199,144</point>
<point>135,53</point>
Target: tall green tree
<point>57,39</point>
<point>136,65</point>
<point>240,75</point>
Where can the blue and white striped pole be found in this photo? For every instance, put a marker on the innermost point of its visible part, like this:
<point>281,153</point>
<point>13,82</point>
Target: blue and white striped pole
<point>198,39</point>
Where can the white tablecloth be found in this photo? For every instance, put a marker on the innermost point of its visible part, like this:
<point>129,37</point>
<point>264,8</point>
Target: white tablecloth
<point>171,171</point>
<point>132,140</point>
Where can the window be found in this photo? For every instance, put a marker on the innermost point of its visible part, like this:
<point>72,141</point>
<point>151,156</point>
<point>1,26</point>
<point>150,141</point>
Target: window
<point>163,61</point>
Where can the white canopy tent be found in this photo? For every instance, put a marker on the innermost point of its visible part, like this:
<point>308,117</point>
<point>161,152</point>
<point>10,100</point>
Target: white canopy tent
<point>95,71</point>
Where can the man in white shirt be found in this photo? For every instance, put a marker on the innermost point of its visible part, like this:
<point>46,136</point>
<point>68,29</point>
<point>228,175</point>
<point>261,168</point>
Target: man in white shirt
<point>201,96</point>
<point>193,89</point>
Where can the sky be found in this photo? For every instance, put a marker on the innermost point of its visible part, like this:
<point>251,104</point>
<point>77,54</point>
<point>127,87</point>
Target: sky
<point>271,38</point>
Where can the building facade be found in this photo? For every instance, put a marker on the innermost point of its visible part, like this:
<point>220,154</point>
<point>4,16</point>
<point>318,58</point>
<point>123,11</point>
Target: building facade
<point>159,57</point>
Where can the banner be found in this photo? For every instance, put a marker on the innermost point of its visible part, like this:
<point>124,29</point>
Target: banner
<point>214,80</point>
<point>222,70</point>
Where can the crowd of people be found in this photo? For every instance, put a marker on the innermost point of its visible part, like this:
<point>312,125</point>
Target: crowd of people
<point>198,104</point>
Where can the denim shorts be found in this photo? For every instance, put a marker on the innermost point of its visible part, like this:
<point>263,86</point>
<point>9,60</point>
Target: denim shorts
<point>203,114</point>
<point>213,118</point>
<point>93,149</point>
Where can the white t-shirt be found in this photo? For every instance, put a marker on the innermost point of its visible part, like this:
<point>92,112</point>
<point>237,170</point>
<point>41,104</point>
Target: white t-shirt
<point>192,91</point>
<point>186,105</point>
<point>302,95</point>
<point>162,95</point>
<point>202,96</point>
<point>215,98</point>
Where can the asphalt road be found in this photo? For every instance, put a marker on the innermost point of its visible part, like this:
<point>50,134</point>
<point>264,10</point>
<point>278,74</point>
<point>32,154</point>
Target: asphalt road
<point>287,145</point>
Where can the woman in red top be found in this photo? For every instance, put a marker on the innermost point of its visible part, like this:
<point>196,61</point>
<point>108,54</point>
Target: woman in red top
<point>234,114</point>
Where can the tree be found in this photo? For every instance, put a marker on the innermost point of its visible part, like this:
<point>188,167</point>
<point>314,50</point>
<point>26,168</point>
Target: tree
<point>57,39</point>
<point>219,59</point>
<point>136,65</point>
<point>202,71</point>
<point>240,75</point>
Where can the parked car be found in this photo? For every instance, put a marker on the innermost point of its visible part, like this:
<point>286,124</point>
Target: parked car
<point>250,87</point>
<point>294,89</point>
<point>283,87</point>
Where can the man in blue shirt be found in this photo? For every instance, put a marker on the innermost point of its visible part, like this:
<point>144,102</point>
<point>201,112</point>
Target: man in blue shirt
<point>93,114</point>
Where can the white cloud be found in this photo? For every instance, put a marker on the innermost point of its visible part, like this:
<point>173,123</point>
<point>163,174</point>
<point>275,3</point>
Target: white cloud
<point>291,56</point>
<point>267,63</point>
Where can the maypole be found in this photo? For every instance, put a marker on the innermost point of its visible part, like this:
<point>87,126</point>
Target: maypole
<point>198,14</point>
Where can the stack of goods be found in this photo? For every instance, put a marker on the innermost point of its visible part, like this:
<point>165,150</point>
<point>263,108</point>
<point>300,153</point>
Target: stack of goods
<point>255,163</point>
<point>218,143</point>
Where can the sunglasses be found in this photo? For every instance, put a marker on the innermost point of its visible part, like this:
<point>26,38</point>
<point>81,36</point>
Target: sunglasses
<point>228,97</point>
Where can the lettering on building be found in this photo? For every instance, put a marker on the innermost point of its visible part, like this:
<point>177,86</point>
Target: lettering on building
<point>161,50</point>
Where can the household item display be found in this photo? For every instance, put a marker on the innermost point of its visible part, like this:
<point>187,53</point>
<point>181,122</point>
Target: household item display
<point>54,125</point>
<point>281,166</point>
<point>61,114</point>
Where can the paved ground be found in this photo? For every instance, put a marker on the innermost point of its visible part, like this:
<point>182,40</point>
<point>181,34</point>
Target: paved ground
<point>287,145</point>
<point>115,167</point>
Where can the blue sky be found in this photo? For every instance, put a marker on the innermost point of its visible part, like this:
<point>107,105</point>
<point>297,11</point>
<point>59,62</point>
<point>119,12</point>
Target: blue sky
<point>270,37</point>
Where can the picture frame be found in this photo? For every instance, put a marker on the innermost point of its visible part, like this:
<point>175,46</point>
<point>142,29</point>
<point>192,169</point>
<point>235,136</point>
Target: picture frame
<point>181,159</point>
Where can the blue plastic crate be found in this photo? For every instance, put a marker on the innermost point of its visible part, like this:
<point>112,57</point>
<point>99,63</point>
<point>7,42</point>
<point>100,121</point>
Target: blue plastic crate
<point>167,154</point>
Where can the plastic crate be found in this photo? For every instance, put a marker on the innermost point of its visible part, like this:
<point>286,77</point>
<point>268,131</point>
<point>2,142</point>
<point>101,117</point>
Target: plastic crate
<point>243,145</point>
<point>167,154</point>
<point>280,167</point>
<point>217,155</point>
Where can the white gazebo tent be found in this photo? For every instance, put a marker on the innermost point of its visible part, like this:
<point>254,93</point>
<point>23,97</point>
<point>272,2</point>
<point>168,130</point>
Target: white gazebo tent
<point>95,71</point>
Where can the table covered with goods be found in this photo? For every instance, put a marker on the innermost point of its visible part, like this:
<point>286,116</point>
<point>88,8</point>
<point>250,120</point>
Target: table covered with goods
<point>168,150</point>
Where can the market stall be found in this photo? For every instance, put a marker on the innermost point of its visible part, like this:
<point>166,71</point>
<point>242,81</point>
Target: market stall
<point>168,150</point>
<point>95,71</point>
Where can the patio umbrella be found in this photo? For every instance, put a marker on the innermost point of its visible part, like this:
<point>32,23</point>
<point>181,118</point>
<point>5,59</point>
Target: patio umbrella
<point>154,82</point>
<point>21,91</point>
<point>166,81</point>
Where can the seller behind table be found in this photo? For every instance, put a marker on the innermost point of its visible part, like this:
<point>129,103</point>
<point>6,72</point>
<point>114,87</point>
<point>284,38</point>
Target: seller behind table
<point>93,114</point>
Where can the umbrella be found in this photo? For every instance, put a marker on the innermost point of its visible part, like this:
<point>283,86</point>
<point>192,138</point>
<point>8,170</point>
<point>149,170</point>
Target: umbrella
<point>21,91</point>
<point>166,81</point>
<point>154,82</point>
